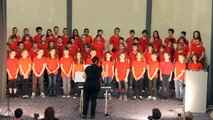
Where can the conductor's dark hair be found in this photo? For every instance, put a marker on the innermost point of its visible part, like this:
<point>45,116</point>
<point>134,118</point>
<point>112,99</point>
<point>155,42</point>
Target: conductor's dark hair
<point>156,114</point>
<point>18,113</point>
<point>95,59</point>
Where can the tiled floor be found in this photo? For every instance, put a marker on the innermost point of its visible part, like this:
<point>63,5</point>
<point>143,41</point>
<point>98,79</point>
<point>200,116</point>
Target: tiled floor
<point>118,110</point>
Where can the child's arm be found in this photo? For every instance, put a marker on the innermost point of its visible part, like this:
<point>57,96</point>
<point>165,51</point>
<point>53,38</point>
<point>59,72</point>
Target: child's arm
<point>103,73</point>
<point>180,74</point>
<point>8,72</point>
<point>73,74</point>
<point>56,68</point>
<point>161,78</point>
<point>70,71</point>
<point>113,70</point>
<point>29,69</point>
<point>144,69</point>
<point>201,56</point>
<point>116,75</point>
<point>175,74</point>
<point>21,70</point>
<point>156,72</point>
<point>16,73</point>
<point>170,77</point>
<point>34,71</point>
<point>42,71</point>
<point>48,69</point>
<point>127,73</point>
<point>62,69</point>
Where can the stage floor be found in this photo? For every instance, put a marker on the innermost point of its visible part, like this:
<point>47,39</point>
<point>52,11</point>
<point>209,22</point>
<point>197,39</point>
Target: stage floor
<point>118,110</point>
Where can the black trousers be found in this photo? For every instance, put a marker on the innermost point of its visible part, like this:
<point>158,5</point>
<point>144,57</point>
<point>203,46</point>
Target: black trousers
<point>90,93</point>
<point>25,86</point>
<point>138,87</point>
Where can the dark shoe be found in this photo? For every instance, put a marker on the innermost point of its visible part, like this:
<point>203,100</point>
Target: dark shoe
<point>92,117</point>
<point>84,116</point>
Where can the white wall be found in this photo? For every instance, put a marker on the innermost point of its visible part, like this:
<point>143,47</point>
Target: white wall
<point>108,14</point>
<point>33,13</point>
<point>188,15</point>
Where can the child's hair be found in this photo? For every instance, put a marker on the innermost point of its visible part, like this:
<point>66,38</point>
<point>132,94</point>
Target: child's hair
<point>142,55</point>
<point>18,113</point>
<point>158,36</point>
<point>136,38</point>
<point>55,56</point>
<point>154,53</point>
<point>167,53</point>
<point>121,38</point>
<point>75,30</point>
<point>117,28</point>
<point>87,45</point>
<point>38,28</point>
<point>199,35</point>
<point>20,43</point>
<point>14,28</point>
<point>162,46</point>
<point>194,55</point>
<point>93,49</point>
<point>13,37</point>
<point>98,36</point>
<point>145,32</point>
<point>66,49</point>
<point>49,30</point>
<point>26,35</point>
<point>171,40</point>
<point>12,51</point>
<point>150,45</point>
<point>132,31</point>
<point>99,30</point>
<point>122,53</point>
<point>69,42</point>
<point>171,30</point>
<point>49,44</point>
<point>182,54</point>
<point>122,44</point>
<point>55,27</point>
<point>135,44</point>
<point>25,29</point>
<point>184,33</point>
<point>76,59</point>
<point>108,52</point>
<point>42,36</point>
<point>24,51</point>
<point>183,38</point>
<point>59,36</point>
<point>86,29</point>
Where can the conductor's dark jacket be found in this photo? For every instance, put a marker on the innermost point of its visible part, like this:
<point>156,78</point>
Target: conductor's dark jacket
<point>93,75</point>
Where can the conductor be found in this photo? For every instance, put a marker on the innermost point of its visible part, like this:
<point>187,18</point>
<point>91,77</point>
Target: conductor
<point>91,87</point>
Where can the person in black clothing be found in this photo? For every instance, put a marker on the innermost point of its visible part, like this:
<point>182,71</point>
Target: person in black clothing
<point>91,86</point>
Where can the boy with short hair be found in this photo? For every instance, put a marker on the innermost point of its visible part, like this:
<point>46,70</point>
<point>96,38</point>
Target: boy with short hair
<point>171,32</point>
<point>39,33</point>
<point>130,41</point>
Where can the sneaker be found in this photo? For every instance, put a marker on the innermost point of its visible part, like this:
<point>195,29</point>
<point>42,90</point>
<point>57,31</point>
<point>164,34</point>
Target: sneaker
<point>63,96</point>
<point>42,95</point>
<point>68,96</point>
<point>125,97</point>
<point>149,97</point>
<point>110,97</point>
<point>33,95</point>
<point>120,97</point>
<point>154,98</point>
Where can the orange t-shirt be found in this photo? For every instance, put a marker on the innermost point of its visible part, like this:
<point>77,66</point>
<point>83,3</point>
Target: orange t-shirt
<point>109,65</point>
<point>24,62</point>
<point>138,67</point>
<point>122,68</point>
<point>78,67</point>
<point>66,62</point>
<point>152,67</point>
<point>179,67</point>
<point>52,64</point>
<point>12,66</point>
<point>38,64</point>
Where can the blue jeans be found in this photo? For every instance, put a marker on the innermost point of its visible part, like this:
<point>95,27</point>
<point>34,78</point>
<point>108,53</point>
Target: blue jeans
<point>107,81</point>
<point>179,89</point>
<point>125,87</point>
<point>165,85</point>
<point>52,81</point>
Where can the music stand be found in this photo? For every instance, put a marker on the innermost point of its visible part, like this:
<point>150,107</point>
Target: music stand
<point>8,112</point>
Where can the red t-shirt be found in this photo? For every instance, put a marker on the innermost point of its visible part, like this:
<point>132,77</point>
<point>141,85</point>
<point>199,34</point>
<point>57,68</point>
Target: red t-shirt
<point>12,66</point>
<point>89,39</point>
<point>73,51</point>
<point>160,56</point>
<point>65,39</point>
<point>177,53</point>
<point>129,42</point>
<point>27,46</point>
<point>60,48</point>
<point>195,66</point>
<point>30,40</point>
<point>108,66</point>
<point>52,64</point>
<point>138,67</point>
<point>33,53</point>
<point>102,40</point>
<point>122,68</point>
<point>13,46</point>
<point>152,68</point>
<point>132,57</point>
<point>18,38</point>
<point>198,50</point>
<point>158,43</point>
<point>38,64</point>
<point>99,49</point>
<point>143,43</point>
<point>148,57</point>
<point>166,41</point>
<point>166,67</point>
<point>115,40</point>
<point>55,40</point>
<point>66,62</point>
<point>179,67</point>
<point>37,38</point>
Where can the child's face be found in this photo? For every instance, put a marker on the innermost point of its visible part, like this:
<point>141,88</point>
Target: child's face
<point>121,40</point>
<point>132,34</point>
<point>166,56</point>
<point>56,30</point>
<point>161,49</point>
<point>35,46</point>
<point>98,39</point>
<point>136,41</point>
<point>15,31</point>
<point>87,49</point>
<point>170,33</point>
<point>197,42</point>
<point>65,32</point>
<point>117,31</point>
<point>170,43</point>
<point>41,52</point>
<point>73,41</point>
<point>149,48</point>
<point>59,40</point>
<point>83,38</point>
<point>121,47</point>
<point>21,46</point>
<point>51,44</point>
<point>39,31</point>
<point>26,31</point>
<point>179,47</point>
<point>12,54</point>
<point>69,46</point>
<point>108,56</point>
<point>154,57</point>
<point>93,53</point>
<point>151,40</point>
<point>196,35</point>
<point>134,48</point>
<point>49,33</point>
<point>78,56</point>
<point>122,56</point>
<point>138,56</point>
<point>13,40</point>
<point>194,58</point>
<point>86,32</point>
<point>52,52</point>
<point>75,32</point>
<point>43,38</point>
<point>66,52</point>
<point>110,47</point>
<point>101,33</point>
<point>27,38</point>
<point>24,54</point>
<point>155,34</point>
<point>144,35</point>
<point>181,58</point>
<point>182,35</point>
